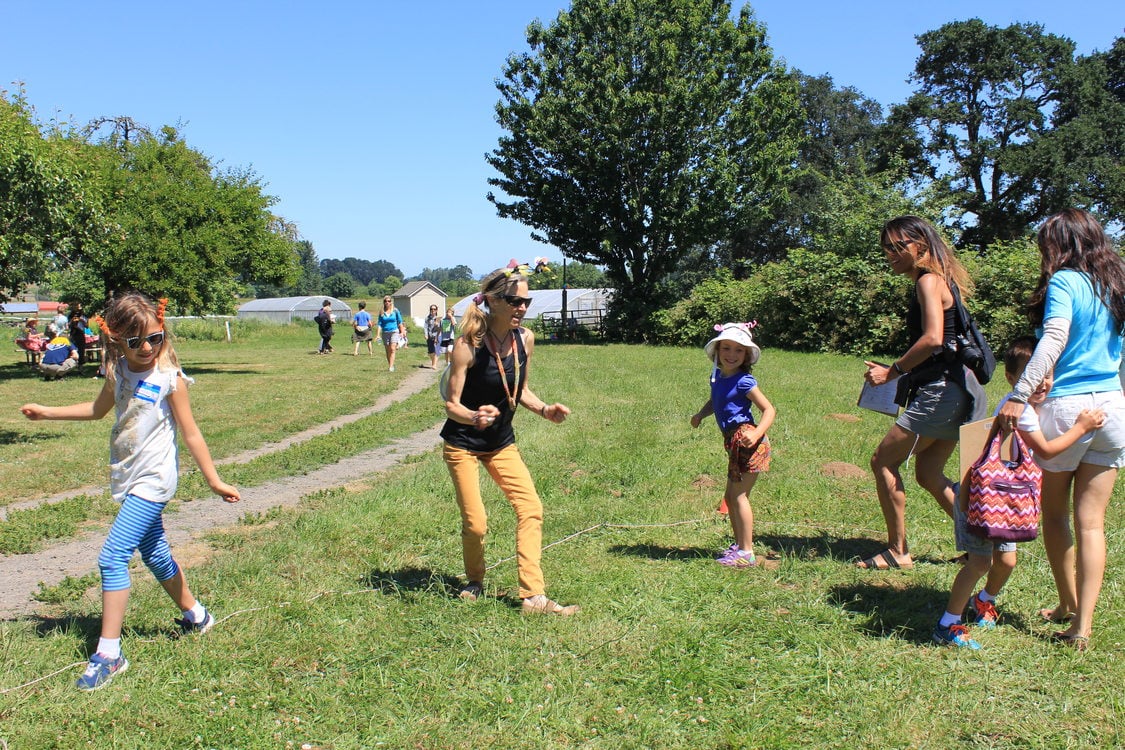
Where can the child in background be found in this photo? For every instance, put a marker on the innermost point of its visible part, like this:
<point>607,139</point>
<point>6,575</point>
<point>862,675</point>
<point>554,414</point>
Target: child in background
<point>145,384</point>
<point>733,392</point>
<point>448,330</point>
<point>998,559</point>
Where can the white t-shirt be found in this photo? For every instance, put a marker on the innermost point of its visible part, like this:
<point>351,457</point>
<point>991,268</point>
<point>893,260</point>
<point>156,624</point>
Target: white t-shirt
<point>142,445</point>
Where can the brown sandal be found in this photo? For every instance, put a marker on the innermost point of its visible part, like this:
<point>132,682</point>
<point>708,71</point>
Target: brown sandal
<point>885,560</point>
<point>1050,615</point>
<point>1076,642</point>
<point>541,605</point>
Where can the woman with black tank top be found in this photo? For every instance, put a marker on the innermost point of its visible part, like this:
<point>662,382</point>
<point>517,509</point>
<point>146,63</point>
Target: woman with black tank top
<point>487,380</point>
<point>939,393</point>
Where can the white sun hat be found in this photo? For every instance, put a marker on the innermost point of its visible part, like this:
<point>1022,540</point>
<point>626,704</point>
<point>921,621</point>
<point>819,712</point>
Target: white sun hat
<point>739,333</point>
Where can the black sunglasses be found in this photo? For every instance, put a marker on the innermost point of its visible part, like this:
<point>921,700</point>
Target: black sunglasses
<point>154,340</point>
<point>515,301</point>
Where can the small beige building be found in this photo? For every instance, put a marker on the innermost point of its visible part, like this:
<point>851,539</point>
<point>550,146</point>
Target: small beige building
<point>413,300</point>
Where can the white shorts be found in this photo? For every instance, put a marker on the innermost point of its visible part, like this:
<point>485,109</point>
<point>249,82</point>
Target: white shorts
<point>1104,446</point>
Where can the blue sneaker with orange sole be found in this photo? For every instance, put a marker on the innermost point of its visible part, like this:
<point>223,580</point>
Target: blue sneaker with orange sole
<point>954,635</point>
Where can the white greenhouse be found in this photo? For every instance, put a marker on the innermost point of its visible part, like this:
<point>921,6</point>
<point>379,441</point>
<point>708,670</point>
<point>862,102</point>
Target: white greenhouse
<point>584,307</point>
<point>288,309</point>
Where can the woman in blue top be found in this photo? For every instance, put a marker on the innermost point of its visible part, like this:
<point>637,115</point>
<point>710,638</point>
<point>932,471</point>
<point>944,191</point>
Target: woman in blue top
<point>1080,305</point>
<point>391,327</point>
<point>733,391</point>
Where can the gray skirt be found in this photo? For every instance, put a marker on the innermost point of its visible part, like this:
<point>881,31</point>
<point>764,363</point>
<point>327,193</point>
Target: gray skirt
<point>938,409</point>
<point>367,335</point>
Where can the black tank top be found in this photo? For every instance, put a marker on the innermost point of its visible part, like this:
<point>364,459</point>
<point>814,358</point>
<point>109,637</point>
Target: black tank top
<point>483,386</point>
<point>937,365</point>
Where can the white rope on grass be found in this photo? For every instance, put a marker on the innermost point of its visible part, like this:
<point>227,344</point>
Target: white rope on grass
<point>5,691</point>
<point>569,537</point>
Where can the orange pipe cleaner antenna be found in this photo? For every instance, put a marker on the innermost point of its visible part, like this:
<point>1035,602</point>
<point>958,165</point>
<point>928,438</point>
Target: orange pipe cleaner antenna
<point>160,310</point>
<point>103,325</point>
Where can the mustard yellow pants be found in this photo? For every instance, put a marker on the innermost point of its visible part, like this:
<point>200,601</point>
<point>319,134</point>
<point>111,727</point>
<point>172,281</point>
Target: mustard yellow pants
<point>507,469</point>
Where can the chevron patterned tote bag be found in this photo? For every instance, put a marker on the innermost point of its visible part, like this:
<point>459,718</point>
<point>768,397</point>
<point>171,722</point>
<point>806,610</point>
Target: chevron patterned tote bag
<point>1004,495</point>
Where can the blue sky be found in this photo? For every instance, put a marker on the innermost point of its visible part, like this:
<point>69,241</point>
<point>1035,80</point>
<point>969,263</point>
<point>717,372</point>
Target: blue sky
<point>369,120</point>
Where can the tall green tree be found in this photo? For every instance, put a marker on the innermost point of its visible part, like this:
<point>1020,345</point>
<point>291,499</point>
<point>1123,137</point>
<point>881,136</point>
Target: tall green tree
<point>184,230</point>
<point>987,113</point>
<point>51,211</point>
<point>639,129</point>
<point>310,280</point>
<point>843,150</point>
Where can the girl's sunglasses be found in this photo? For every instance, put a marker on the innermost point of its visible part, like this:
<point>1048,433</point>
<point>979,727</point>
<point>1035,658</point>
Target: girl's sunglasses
<point>515,301</point>
<point>154,340</point>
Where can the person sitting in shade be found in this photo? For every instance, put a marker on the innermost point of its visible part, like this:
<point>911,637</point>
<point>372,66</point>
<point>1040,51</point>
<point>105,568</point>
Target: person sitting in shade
<point>59,358</point>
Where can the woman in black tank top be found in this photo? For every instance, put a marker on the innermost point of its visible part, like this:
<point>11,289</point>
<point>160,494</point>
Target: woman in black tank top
<point>939,395</point>
<point>488,380</point>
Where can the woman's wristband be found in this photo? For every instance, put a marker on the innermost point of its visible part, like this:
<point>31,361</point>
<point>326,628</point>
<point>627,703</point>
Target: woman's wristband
<point>896,368</point>
<point>543,411</point>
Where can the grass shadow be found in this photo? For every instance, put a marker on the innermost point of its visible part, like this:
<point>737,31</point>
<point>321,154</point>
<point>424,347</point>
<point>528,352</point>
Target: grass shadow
<point>12,437</point>
<point>90,628</point>
<point>892,607</point>
<point>18,371</point>
<point>841,549</point>
<point>193,370</point>
<point>395,582</point>
<point>661,552</point>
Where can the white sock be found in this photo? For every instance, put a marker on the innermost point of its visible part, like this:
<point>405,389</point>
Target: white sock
<point>196,613</point>
<point>110,647</point>
<point>948,619</point>
<point>984,596</point>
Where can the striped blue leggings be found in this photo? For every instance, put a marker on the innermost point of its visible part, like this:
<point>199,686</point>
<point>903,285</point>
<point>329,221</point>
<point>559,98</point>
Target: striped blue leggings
<point>138,526</point>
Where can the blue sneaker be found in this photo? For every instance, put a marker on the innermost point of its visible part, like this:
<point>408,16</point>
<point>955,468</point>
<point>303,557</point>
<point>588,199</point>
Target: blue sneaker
<point>954,635</point>
<point>100,671</point>
<point>187,627</point>
<point>982,613</point>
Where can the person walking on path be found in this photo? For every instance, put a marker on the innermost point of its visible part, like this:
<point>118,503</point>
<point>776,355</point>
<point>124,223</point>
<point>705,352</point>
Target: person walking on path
<point>733,392</point>
<point>145,385</point>
<point>488,380</point>
<point>938,392</point>
<point>361,330</point>
<point>432,329</point>
<point>1079,304</point>
<point>324,320</point>
<point>392,329</point>
<point>448,331</point>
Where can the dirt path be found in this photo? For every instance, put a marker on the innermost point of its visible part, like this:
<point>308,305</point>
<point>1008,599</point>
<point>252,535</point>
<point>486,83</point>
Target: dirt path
<point>22,574</point>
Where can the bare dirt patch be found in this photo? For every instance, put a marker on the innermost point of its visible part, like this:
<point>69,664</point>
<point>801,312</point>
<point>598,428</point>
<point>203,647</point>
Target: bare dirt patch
<point>842,470</point>
<point>842,417</point>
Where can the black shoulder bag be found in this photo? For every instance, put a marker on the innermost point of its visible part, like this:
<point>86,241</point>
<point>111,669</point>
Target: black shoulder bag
<point>972,348</point>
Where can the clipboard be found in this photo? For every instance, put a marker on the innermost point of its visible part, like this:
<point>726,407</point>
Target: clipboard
<point>879,398</point>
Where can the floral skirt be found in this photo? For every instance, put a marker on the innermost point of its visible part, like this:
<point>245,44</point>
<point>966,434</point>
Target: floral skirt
<point>746,457</point>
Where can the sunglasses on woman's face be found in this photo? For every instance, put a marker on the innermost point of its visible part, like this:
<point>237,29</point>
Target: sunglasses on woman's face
<point>515,301</point>
<point>154,340</point>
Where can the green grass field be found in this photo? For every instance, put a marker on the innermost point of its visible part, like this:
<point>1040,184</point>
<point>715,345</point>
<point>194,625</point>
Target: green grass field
<point>338,627</point>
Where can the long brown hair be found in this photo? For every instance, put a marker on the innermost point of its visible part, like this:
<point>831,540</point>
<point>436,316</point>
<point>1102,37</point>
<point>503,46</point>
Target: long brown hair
<point>1074,239</point>
<point>128,315</point>
<point>936,257</point>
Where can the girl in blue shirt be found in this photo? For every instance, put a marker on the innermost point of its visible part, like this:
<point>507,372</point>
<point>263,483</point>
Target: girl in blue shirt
<point>1080,306</point>
<point>733,392</point>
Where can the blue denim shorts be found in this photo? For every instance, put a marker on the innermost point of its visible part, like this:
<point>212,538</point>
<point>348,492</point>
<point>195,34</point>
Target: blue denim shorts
<point>971,543</point>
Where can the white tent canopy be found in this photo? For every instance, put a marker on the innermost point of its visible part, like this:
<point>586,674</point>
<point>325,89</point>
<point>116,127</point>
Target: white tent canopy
<point>288,309</point>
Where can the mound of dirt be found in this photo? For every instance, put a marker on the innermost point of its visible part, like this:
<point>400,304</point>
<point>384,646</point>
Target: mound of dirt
<point>842,470</point>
